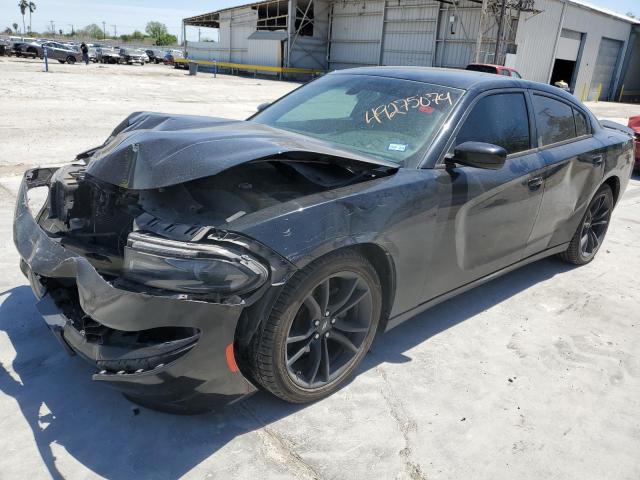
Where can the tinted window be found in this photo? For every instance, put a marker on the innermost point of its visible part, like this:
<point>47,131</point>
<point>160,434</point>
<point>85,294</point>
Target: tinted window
<point>482,68</point>
<point>498,119</point>
<point>582,127</point>
<point>554,120</point>
<point>506,73</point>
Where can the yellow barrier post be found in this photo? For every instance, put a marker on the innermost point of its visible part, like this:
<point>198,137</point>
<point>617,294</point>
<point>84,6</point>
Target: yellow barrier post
<point>621,93</point>
<point>599,92</point>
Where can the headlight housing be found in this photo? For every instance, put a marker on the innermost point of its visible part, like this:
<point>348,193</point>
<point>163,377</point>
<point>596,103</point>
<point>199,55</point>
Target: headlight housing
<point>190,267</point>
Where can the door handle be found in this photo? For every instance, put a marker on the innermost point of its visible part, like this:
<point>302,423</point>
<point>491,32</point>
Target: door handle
<point>534,183</point>
<point>597,160</point>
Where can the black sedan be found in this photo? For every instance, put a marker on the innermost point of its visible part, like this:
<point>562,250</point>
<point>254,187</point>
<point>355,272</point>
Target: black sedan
<point>191,259</point>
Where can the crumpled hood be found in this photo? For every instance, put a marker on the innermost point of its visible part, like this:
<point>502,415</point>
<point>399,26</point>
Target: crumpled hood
<point>152,150</point>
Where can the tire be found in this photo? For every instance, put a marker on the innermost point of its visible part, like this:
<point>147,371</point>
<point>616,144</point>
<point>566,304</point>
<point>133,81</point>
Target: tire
<point>61,61</point>
<point>592,229</point>
<point>326,362</point>
<point>71,59</point>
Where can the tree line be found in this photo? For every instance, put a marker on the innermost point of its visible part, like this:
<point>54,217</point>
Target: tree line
<point>154,30</point>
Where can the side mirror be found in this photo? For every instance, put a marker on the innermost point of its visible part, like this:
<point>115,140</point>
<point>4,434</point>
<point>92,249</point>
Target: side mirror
<point>480,155</point>
<point>262,106</point>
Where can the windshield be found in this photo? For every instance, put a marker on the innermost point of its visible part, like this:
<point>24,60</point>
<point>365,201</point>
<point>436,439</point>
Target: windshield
<point>385,117</point>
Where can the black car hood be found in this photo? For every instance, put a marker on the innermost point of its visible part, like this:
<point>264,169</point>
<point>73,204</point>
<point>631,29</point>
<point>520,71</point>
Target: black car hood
<point>152,150</point>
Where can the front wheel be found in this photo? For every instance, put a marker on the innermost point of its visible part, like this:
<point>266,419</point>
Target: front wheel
<point>591,232</point>
<point>71,60</point>
<point>320,328</point>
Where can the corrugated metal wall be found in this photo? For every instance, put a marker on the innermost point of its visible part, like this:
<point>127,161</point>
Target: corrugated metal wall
<point>409,33</point>
<point>351,33</point>
<point>538,34</point>
<point>356,33</point>
<point>234,46</point>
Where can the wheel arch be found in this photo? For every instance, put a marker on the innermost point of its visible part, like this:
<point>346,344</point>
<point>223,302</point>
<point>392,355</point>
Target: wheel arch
<point>254,316</point>
<point>614,183</point>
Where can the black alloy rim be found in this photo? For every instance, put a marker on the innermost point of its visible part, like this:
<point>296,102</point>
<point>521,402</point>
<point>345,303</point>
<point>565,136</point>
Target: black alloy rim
<point>595,226</point>
<point>329,330</point>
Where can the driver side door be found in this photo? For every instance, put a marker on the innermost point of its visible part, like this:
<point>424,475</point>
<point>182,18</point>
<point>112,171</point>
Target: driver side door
<point>486,216</point>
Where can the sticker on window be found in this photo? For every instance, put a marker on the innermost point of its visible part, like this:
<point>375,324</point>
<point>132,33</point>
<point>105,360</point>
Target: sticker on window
<point>425,103</point>
<point>397,147</point>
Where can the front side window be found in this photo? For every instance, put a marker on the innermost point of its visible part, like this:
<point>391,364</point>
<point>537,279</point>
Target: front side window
<point>554,120</point>
<point>385,117</point>
<point>501,120</point>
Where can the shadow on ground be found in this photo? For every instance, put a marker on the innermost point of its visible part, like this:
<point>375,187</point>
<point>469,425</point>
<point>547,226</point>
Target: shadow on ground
<point>103,431</point>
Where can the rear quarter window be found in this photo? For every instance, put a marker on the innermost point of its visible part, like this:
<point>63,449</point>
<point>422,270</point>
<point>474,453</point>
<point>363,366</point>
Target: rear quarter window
<point>582,125</point>
<point>554,120</point>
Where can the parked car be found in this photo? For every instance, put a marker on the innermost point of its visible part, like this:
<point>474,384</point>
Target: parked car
<point>64,53</point>
<point>190,258</point>
<point>107,55</point>
<point>634,123</point>
<point>93,54</point>
<point>496,69</point>
<point>131,56</point>
<point>156,55</point>
<point>171,56</point>
<point>15,44</point>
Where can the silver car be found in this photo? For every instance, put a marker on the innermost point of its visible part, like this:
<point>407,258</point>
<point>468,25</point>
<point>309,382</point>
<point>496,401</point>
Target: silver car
<point>132,55</point>
<point>55,51</point>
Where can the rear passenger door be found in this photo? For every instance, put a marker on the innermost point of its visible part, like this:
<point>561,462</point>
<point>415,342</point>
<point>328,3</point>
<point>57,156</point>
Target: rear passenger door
<point>574,162</point>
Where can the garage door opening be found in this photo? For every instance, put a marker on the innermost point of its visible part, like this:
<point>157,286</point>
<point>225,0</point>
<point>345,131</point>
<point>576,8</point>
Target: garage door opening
<point>563,70</point>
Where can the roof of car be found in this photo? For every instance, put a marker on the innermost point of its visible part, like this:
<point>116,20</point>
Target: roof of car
<point>455,78</point>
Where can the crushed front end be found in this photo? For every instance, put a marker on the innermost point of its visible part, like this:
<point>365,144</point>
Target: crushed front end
<point>153,305</point>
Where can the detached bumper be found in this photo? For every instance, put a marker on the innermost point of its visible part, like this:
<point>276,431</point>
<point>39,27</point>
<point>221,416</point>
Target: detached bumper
<point>203,374</point>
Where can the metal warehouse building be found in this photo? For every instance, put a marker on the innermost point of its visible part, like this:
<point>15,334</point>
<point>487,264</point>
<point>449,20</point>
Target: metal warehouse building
<point>545,40</point>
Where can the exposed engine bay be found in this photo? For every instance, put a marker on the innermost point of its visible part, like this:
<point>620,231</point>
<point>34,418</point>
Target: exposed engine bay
<point>94,218</point>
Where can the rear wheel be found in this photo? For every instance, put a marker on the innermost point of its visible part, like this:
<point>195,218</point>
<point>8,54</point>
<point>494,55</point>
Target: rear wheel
<point>320,328</point>
<point>71,60</point>
<point>591,232</point>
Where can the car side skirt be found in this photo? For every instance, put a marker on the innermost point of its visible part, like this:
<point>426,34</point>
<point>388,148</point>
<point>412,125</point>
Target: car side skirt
<point>403,317</point>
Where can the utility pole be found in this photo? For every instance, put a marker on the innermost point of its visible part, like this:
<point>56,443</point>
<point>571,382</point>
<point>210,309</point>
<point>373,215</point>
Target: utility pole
<point>104,30</point>
<point>53,28</point>
<point>115,31</point>
<point>199,34</point>
<point>499,34</point>
<point>483,17</point>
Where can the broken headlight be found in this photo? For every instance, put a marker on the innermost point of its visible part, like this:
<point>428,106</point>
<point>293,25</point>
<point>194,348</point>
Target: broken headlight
<point>190,267</point>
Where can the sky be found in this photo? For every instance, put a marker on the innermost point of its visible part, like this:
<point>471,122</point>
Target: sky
<point>130,15</point>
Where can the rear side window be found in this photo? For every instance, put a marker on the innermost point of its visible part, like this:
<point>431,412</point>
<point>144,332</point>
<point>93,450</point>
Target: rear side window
<point>582,127</point>
<point>554,120</point>
<point>500,120</point>
<point>506,73</point>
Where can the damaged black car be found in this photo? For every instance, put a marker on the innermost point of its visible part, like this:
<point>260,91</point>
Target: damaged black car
<point>192,260</point>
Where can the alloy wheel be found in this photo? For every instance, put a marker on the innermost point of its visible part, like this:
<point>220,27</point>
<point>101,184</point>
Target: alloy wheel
<point>329,329</point>
<point>595,225</point>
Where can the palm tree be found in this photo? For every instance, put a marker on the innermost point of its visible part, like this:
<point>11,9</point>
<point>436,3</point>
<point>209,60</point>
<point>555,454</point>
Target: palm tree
<point>15,27</point>
<point>23,5</point>
<point>32,8</point>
